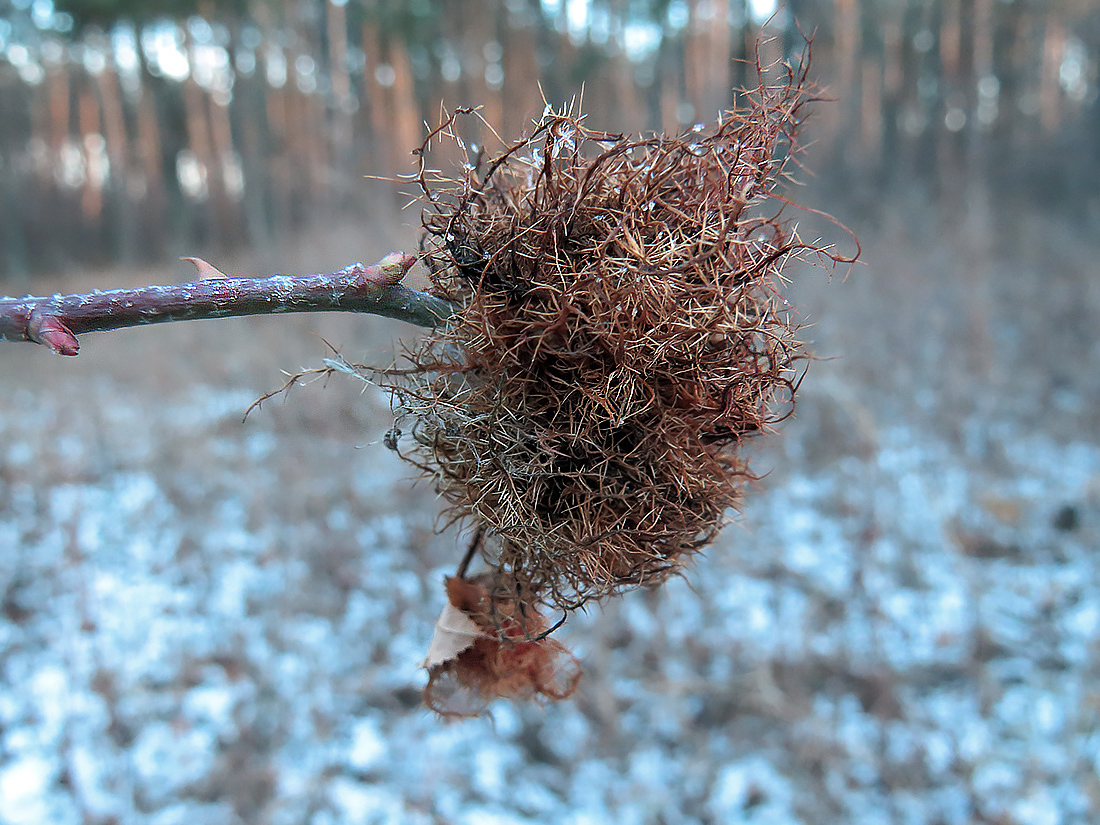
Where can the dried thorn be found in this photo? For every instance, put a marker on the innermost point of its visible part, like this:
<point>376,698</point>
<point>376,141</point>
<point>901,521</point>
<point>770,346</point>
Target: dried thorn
<point>207,271</point>
<point>50,332</point>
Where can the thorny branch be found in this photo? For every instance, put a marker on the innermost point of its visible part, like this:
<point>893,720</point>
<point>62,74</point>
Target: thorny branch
<point>56,321</point>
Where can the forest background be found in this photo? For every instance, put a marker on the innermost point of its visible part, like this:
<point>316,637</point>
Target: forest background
<point>132,132</point>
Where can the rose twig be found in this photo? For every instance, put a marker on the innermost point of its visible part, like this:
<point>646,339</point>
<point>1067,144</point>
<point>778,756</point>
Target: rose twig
<point>56,321</point>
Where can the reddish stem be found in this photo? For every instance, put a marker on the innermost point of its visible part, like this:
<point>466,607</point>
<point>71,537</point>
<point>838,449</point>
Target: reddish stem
<point>56,321</point>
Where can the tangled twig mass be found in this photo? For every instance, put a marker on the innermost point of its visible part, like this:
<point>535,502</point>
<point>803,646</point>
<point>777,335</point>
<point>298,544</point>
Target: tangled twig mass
<point>618,335</point>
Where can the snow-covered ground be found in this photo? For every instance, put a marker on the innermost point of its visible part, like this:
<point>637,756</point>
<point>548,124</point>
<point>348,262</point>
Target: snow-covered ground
<point>209,622</point>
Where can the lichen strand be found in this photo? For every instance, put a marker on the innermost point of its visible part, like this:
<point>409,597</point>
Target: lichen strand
<point>619,335</point>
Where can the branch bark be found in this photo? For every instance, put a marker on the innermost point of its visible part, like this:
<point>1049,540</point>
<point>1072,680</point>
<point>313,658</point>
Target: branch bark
<point>55,321</point>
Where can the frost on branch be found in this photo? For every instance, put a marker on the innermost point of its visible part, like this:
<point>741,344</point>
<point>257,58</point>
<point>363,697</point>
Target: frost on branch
<point>56,321</point>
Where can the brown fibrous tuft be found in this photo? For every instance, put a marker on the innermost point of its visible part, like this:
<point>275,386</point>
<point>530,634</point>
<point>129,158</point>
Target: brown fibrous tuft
<point>618,336</point>
<point>514,658</point>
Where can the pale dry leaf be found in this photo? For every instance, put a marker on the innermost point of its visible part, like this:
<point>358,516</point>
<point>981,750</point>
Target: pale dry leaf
<point>454,632</point>
<point>207,271</point>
